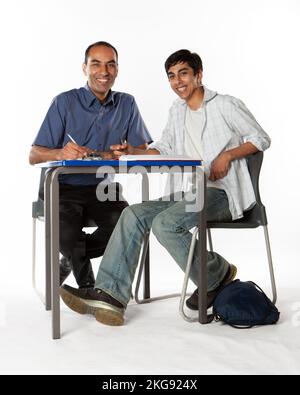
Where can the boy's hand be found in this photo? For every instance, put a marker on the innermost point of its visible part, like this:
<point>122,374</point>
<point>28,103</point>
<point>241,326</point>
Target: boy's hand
<point>220,166</point>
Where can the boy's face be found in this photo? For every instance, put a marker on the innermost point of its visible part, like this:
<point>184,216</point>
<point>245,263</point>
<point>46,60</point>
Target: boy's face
<point>183,81</point>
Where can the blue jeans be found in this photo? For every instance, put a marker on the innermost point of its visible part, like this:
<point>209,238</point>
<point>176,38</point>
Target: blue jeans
<point>170,223</point>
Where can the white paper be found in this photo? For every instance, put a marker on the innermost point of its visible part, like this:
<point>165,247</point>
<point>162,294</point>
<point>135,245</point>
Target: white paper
<point>155,157</point>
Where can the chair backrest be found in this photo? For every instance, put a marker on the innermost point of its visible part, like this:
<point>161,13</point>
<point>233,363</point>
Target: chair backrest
<point>38,205</point>
<point>257,215</point>
<point>254,162</point>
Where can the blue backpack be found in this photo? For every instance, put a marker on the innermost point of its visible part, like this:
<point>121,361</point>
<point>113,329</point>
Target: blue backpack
<point>244,305</point>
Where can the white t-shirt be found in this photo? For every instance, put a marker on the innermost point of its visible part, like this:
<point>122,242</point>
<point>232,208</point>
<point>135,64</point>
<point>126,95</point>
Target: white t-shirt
<point>194,122</point>
<point>193,125</point>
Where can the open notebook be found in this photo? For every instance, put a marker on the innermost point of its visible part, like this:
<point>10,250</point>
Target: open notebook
<point>156,157</point>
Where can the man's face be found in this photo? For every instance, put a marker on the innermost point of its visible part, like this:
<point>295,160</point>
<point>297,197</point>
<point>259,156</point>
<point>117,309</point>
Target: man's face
<point>183,81</point>
<point>101,70</point>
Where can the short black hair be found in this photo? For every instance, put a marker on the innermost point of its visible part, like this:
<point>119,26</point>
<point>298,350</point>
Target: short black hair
<point>98,44</point>
<point>184,56</point>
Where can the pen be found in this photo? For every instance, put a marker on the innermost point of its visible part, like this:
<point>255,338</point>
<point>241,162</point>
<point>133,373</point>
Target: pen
<point>71,138</point>
<point>73,141</point>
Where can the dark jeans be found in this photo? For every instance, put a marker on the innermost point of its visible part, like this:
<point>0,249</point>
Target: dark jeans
<point>77,204</point>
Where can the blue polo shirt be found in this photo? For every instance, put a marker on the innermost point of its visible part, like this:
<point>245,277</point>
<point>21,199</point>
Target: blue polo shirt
<point>92,124</point>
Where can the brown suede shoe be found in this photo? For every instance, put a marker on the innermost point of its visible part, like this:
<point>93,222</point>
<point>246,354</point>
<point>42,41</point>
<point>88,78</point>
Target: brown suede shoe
<point>104,307</point>
<point>192,301</point>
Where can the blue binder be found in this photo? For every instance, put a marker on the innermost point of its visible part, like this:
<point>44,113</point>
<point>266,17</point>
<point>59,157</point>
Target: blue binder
<point>116,163</point>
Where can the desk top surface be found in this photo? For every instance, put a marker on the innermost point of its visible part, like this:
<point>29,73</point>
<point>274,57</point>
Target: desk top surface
<point>117,163</point>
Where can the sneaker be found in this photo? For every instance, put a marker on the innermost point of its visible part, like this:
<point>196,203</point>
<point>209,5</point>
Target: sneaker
<point>104,307</point>
<point>192,301</point>
<point>64,269</point>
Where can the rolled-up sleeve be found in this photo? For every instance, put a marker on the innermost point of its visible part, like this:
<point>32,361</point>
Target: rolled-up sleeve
<point>244,124</point>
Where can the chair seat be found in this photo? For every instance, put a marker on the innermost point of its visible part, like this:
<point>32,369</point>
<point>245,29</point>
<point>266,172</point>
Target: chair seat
<point>252,219</point>
<point>238,224</point>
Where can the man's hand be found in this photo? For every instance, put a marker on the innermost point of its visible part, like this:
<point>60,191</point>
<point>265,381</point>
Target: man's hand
<point>73,151</point>
<point>220,166</point>
<point>122,149</point>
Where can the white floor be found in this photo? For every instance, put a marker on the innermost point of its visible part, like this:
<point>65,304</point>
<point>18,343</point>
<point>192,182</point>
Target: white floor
<point>155,340</point>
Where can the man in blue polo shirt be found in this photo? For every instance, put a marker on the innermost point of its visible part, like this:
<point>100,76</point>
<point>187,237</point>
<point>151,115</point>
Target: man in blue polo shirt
<point>78,122</point>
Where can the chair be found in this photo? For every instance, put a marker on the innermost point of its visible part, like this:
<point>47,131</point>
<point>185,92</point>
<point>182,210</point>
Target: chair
<point>252,219</point>
<point>38,214</point>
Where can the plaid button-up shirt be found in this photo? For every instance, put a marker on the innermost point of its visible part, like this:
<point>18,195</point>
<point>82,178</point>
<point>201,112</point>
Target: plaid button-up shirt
<point>227,124</point>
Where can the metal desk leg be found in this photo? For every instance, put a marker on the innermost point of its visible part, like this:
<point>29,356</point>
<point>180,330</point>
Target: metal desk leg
<point>202,280</point>
<point>47,240</point>
<point>145,198</point>
<point>204,318</point>
<point>54,212</point>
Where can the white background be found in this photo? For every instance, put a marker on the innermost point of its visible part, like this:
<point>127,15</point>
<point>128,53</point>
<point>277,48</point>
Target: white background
<point>250,49</point>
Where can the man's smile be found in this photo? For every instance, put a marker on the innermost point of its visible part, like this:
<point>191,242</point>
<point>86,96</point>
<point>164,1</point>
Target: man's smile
<point>102,80</point>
